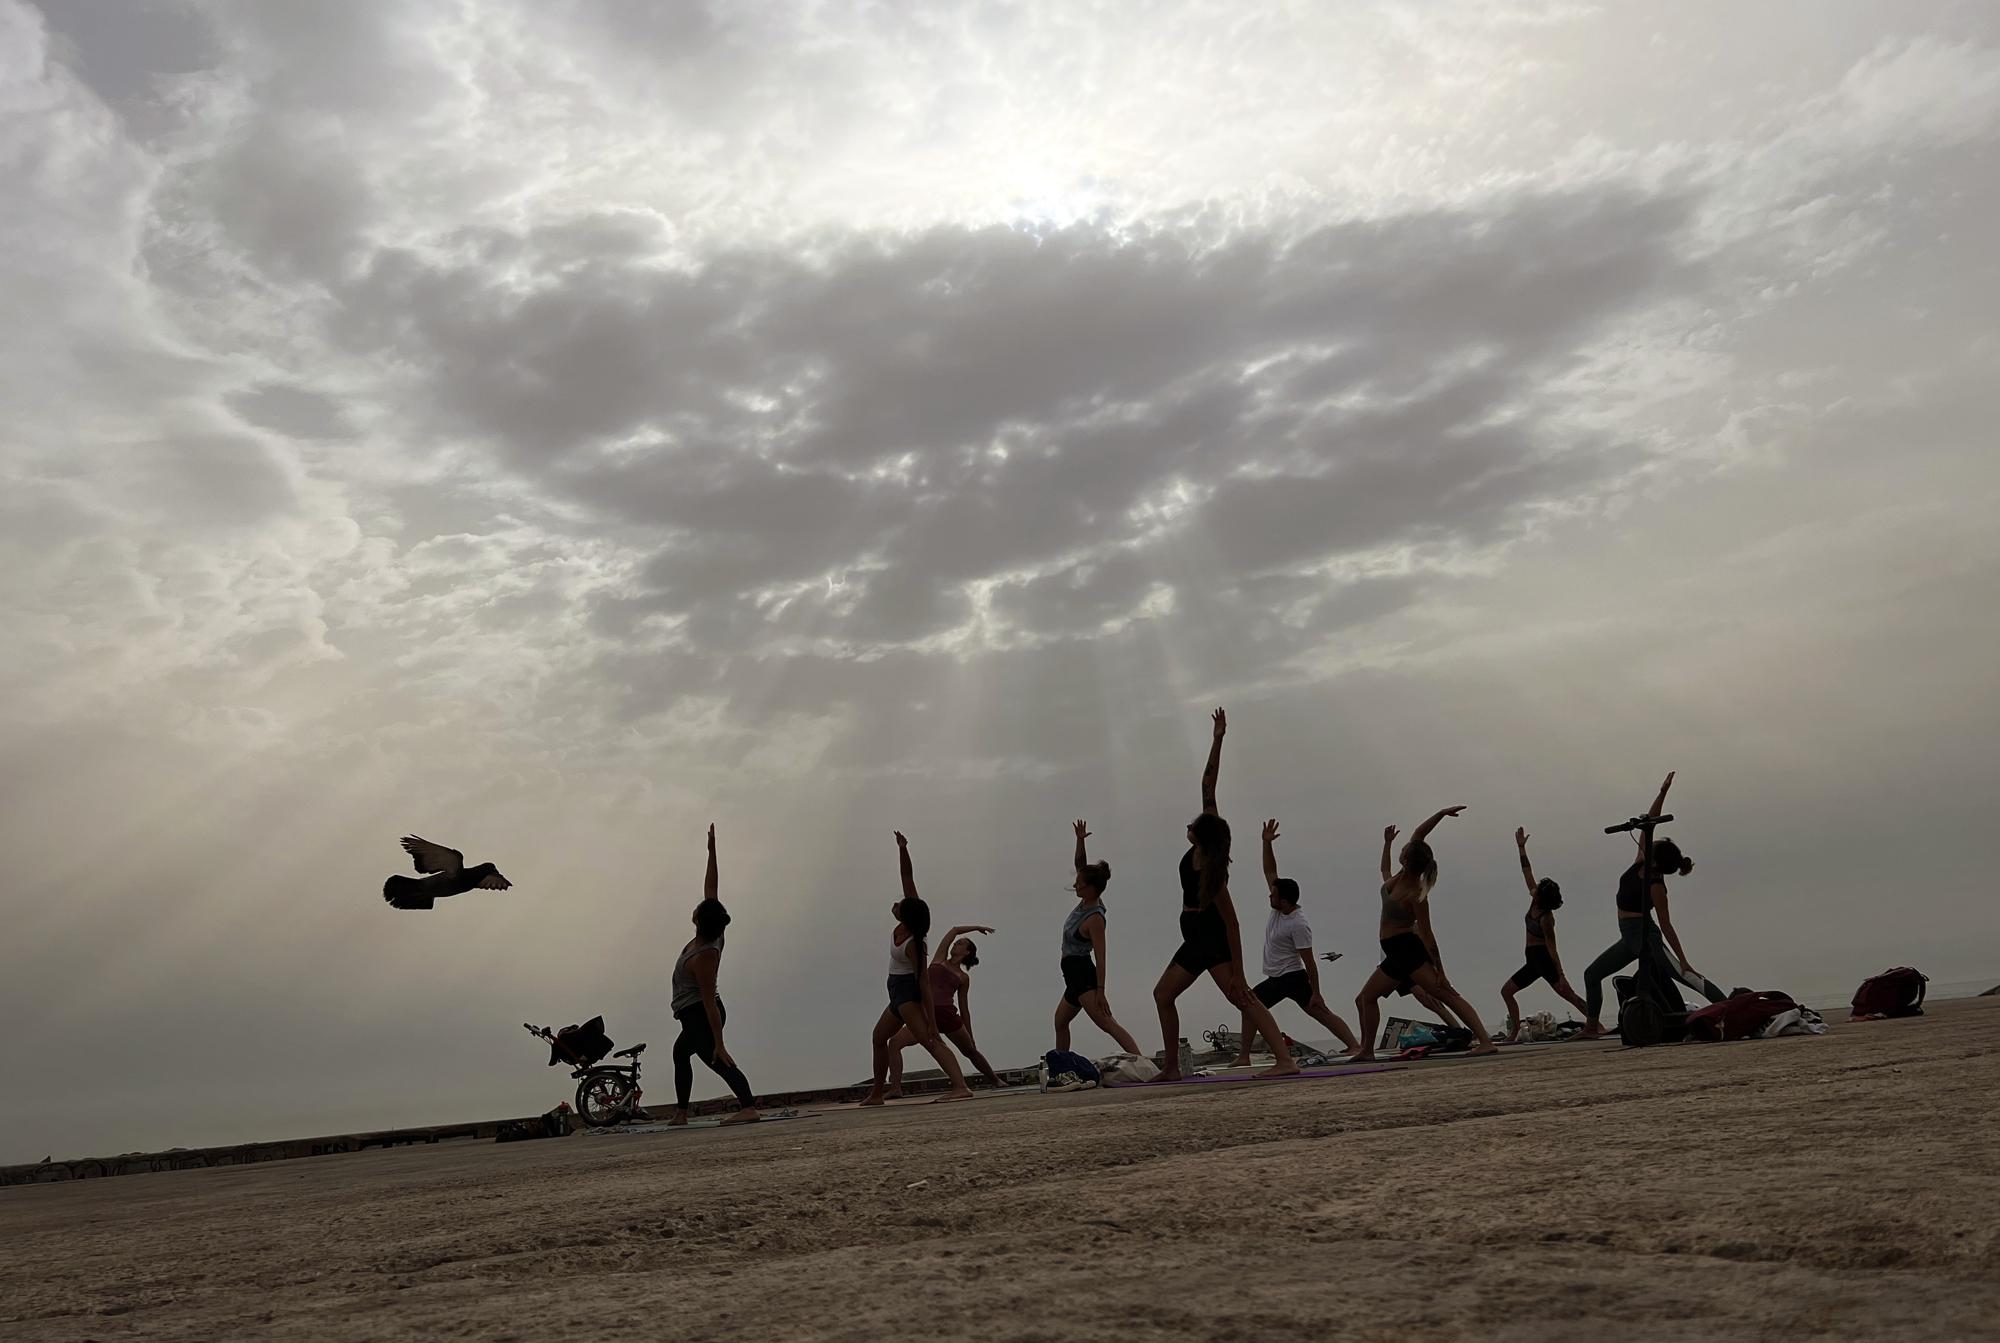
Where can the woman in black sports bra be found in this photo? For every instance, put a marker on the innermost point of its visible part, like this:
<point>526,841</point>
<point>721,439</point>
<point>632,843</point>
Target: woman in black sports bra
<point>1543,961</point>
<point>1410,960</point>
<point>1642,890</point>
<point>1210,941</point>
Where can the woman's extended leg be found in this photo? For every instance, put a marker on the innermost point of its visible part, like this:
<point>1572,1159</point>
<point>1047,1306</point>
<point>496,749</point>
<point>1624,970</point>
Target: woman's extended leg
<point>1613,959</point>
<point>1099,1012</point>
<point>1569,996</point>
<point>1368,1006</point>
<point>902,1040</point>
<point>920,1026</point>
<point>963,1041</point>
<point>704,1049</point>
<point>1065,1013</point>
<point>1174,981</point>
<point>1428,976</point>
<point>1513,1030</point>
<point>886,1027</point>
<point>683,1074</point>
<point>1259,1017</point>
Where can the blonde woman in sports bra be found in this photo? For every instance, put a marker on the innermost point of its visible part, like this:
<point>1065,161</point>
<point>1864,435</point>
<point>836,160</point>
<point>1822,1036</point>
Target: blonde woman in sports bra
<point>1410,959</point>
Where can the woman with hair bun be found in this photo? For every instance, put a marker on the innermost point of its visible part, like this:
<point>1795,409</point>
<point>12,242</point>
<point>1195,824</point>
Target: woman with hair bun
<point>1410,959</point>
<point>1543,961</point>
<point>951,995</point>
<point>1642,889</point>
<point>911,1004</point>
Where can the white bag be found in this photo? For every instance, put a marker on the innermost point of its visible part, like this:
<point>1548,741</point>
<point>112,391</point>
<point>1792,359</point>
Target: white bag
<point>1125,1069</point>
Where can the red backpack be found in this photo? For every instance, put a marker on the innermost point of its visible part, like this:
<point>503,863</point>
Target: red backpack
<point>1738,1018</point>
<point>1893,993</point>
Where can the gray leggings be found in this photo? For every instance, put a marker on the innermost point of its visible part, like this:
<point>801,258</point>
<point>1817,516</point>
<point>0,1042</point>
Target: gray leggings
<point>1635,935</point>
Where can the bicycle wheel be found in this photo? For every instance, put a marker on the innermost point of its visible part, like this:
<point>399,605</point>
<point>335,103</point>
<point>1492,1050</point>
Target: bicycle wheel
<point>603,1099</point>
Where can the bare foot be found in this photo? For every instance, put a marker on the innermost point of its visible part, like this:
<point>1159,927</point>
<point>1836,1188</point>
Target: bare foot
<point>1291,1070</point>
<point>679,1120</point>
<point>962,1094</point>
<point>1362,1056</point>
<point>747,1115</point>
<point>894,1093</point>
<point>1488,1048</point>
<point>1591,1032</point>
<point>1240,1061</point>
<point>872,1098</point>
<point>1166,1076</point>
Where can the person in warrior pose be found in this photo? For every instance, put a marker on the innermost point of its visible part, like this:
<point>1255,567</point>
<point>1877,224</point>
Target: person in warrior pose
<point>1642,889</point>
<point>699,1010</point>
<point>1211,942</point>
<point>1083,953</point>
<point>1410,957</point>
<point>1543,962</point>
<point>911,1004</point>
<point>1289,969</point>
<point>951,992</point>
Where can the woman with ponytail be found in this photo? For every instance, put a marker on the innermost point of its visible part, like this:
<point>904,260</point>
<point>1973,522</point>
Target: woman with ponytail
<point>1211,942</point>
<point>912,1005</point>
<point>951,992</point>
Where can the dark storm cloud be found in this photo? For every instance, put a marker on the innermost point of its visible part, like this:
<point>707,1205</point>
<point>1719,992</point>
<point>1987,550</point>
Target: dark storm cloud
<point>895,420</point>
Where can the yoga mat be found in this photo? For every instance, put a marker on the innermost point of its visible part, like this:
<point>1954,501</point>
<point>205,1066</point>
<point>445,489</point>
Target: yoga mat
<point>1309,1075</point>
<point>703,1123</point>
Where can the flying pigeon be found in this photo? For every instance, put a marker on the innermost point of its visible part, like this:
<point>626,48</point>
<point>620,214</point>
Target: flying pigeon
<point>444,874</point>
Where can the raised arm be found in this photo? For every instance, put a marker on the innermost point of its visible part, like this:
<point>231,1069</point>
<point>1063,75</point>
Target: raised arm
<point>1270,854</point>
<point>1424,830</point>
<point>952,935</point>
<point>1660,802</point>
<point>1082,854</point>
<point>1644,838</point>
<point>1527,868</point>
<point>1667,929</point>
<point>1213,771</point>
<point>903,865</point>
<point>711,884</point>
<point>1388,838</point>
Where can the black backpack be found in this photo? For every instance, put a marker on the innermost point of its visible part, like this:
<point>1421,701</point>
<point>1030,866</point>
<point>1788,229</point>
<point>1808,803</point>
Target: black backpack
<point>1651,1010</point>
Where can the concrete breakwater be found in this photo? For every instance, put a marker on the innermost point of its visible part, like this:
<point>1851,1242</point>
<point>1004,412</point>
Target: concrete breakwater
<point>244,1154</point>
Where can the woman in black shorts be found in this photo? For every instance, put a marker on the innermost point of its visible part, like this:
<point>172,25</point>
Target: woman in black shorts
<point>1210,940</point>
<point>1544,899</point>
<point>1410,957</point>
<point>1083,970</point>
<point>911,1002</point>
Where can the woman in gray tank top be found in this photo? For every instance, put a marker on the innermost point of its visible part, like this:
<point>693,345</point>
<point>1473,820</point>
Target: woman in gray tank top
<point>1083,953</point>
<point>698,1008</point>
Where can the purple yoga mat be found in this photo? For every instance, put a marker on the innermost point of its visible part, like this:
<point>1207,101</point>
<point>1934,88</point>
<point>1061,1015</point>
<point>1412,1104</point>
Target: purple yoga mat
<point>1309,1075</point>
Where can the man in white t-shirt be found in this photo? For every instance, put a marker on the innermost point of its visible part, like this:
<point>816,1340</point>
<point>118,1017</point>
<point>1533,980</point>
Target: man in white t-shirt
<point>1289,970</point>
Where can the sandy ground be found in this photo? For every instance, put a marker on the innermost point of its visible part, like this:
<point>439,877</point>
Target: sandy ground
<point>1839,1187</point>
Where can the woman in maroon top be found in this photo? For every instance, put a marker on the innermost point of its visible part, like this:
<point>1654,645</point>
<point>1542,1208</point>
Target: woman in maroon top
<point>951,997</point>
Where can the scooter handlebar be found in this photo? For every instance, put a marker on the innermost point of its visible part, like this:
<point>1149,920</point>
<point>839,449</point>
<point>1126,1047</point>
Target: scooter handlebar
<point>1637,823</point>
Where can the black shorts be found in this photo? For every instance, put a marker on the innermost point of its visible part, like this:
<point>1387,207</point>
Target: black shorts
<point>1402,956</point>
<point>1296,986</point>
<point>1204,941</point>
<point>1540,965</point>
<point>904,989</point>
<point>1079,978</point>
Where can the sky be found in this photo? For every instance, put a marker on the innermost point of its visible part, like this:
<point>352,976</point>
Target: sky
<point>550,427</point>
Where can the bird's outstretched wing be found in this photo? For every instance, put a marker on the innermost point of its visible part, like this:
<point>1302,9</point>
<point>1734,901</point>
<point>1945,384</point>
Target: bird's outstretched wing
<point>430,857</point>
<point>494,882</point>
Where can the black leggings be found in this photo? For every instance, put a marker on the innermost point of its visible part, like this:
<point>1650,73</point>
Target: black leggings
<point>698,1042</point>
<point>1635,938</point>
